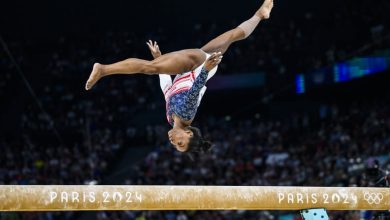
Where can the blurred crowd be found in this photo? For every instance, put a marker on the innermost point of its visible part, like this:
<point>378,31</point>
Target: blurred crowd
<point>63,135</point>
<point>259,152</point>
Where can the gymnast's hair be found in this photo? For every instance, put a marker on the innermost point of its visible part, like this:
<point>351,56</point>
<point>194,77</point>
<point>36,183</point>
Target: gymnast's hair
<point>197,144</point>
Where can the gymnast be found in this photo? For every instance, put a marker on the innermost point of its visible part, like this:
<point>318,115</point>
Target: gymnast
<point>193,68</point>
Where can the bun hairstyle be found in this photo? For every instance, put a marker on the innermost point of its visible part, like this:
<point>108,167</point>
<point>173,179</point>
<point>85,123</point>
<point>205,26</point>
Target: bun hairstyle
<point>197,144</point>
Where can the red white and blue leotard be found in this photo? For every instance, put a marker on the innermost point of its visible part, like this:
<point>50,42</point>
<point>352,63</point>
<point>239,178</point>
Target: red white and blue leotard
<point>184,95</point>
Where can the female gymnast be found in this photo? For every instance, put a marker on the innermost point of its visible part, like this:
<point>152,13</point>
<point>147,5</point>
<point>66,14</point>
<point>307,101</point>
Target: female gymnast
<point>192,67</point>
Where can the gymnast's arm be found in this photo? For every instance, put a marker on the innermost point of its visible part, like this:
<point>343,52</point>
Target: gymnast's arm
<point>201,80</point>
<point>165,80</point>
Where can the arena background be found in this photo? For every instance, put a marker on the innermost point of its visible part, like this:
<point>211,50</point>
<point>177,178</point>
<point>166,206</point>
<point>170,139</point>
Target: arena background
<point>304,101</point>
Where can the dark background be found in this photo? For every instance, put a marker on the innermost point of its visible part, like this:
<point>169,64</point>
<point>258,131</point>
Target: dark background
<point>57,133</point>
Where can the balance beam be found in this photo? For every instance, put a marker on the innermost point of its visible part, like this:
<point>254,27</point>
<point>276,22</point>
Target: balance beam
<point>85,197</point>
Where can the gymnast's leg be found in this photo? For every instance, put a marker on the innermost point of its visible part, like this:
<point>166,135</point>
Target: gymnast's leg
<point>222,42</point>
<point>170,63</point>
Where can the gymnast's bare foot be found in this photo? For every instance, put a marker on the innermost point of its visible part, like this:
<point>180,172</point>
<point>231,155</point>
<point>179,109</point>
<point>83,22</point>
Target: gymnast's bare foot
<point>95,76</point>
<point>265,10</point>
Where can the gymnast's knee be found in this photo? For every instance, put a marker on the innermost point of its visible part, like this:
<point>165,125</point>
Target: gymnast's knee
<point>196,59</point>
<point>150,68</point>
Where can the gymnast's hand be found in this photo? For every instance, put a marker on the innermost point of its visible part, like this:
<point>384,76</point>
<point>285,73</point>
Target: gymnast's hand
<point>213,61</point>
<point>154,49</point>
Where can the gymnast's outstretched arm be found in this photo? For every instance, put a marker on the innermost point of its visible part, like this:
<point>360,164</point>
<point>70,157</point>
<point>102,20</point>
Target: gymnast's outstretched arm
<point>165,80</point>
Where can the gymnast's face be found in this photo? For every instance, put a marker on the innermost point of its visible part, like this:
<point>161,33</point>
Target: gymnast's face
<point>180,138</point>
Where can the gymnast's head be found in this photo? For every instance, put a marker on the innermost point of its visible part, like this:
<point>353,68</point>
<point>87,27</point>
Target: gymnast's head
<point>188,140</point>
